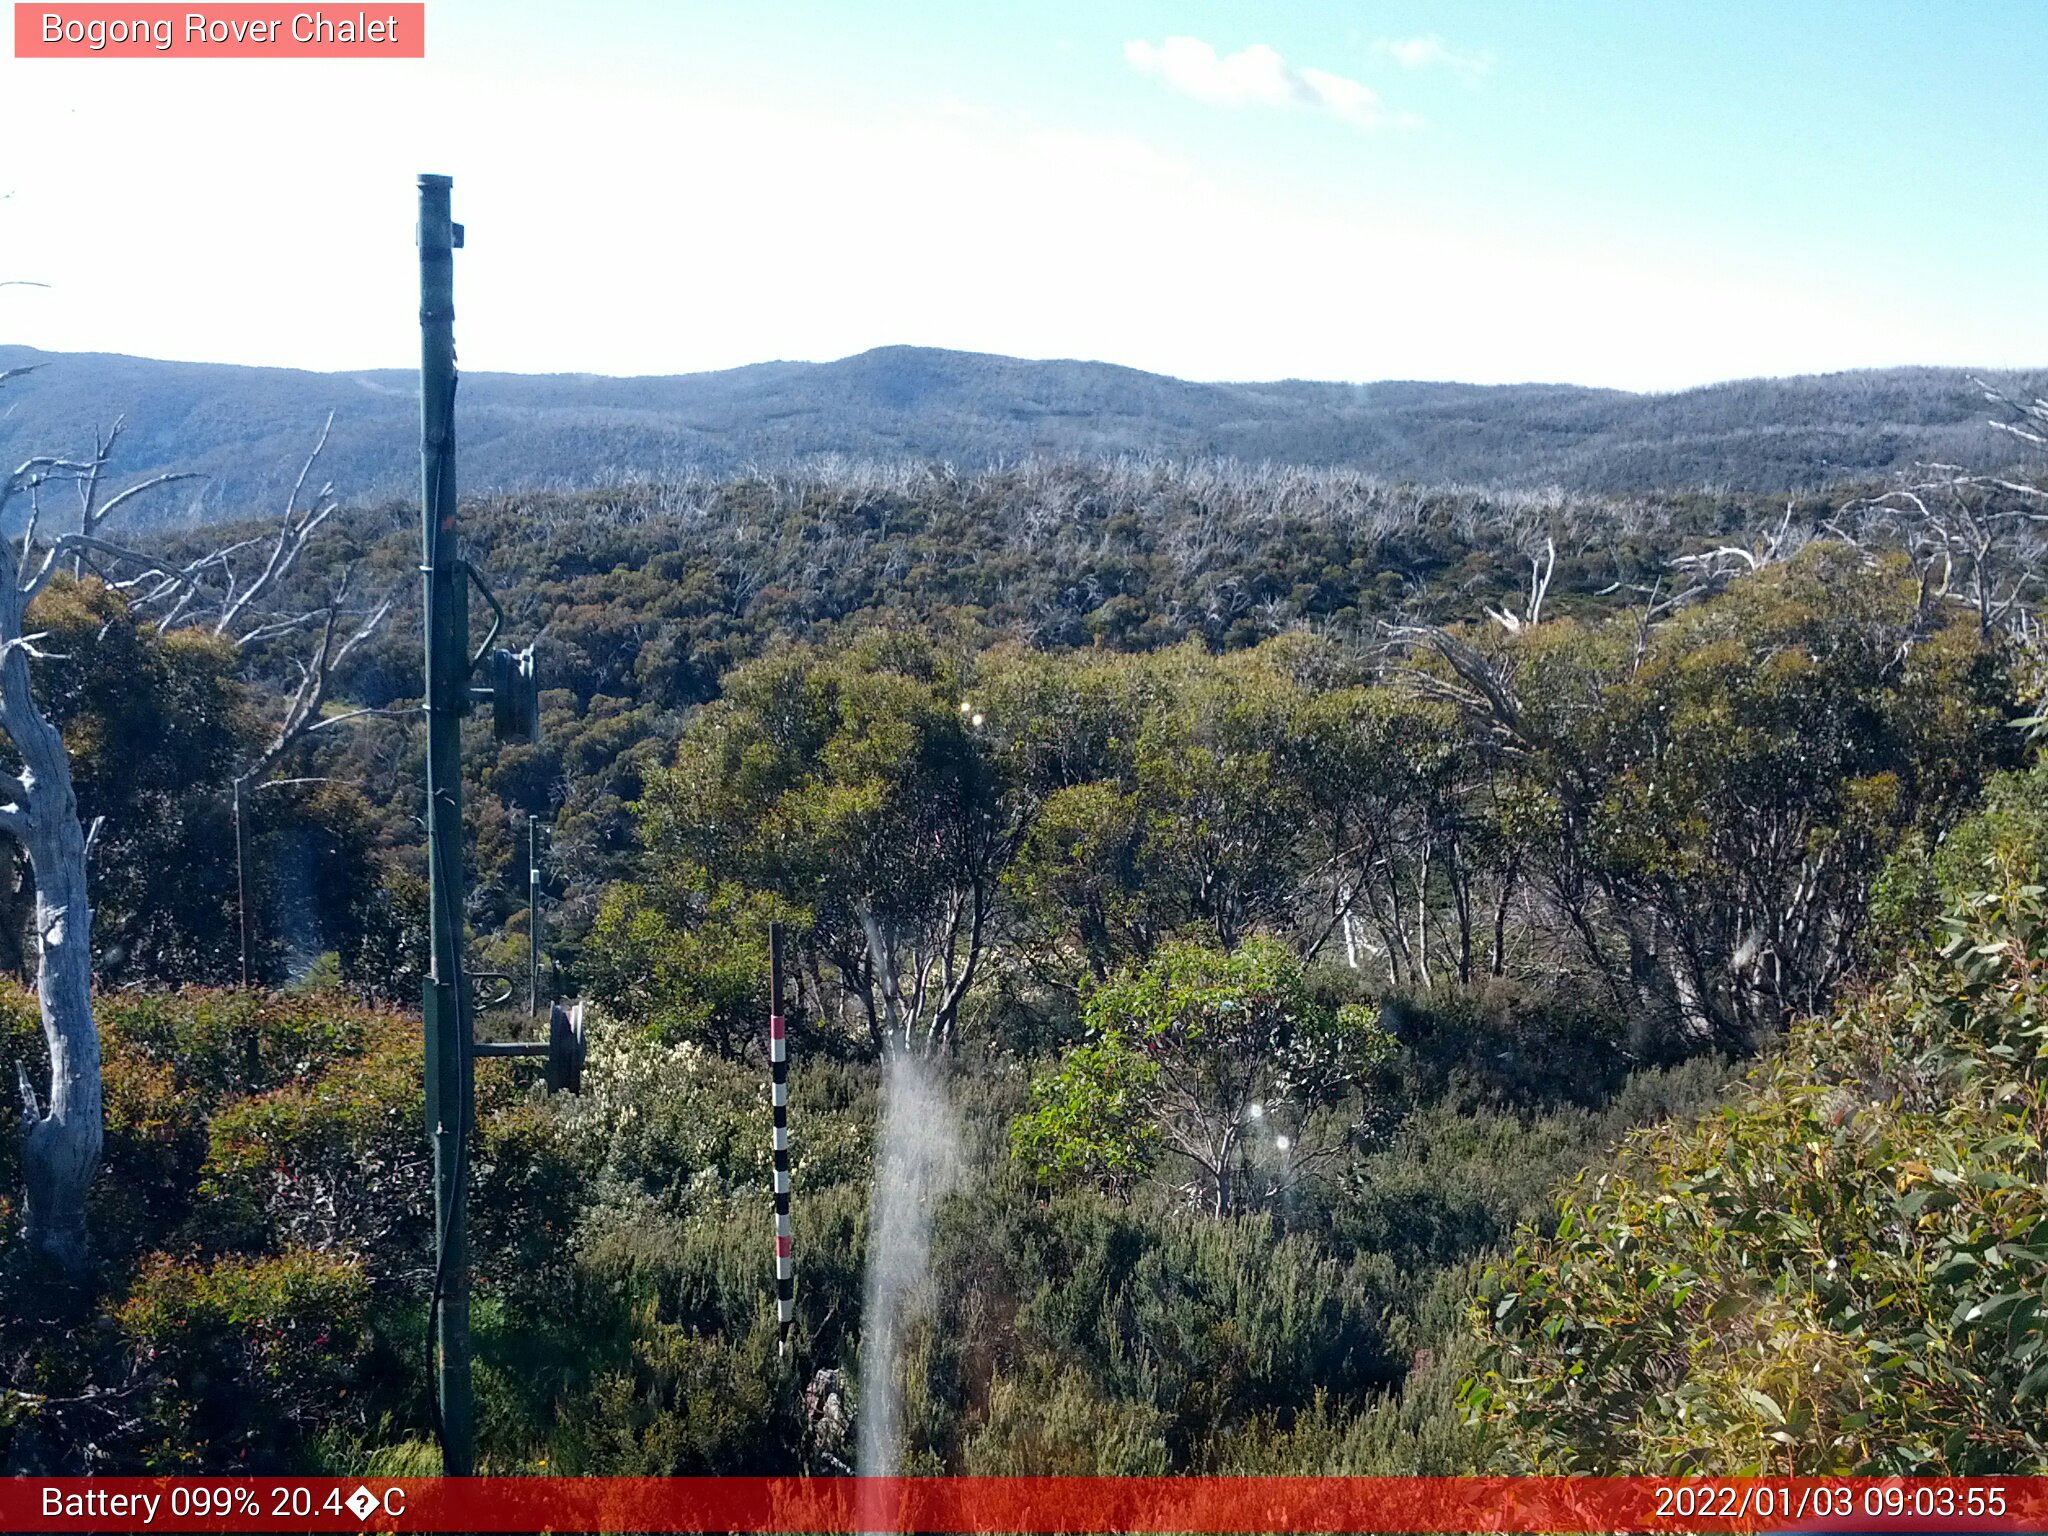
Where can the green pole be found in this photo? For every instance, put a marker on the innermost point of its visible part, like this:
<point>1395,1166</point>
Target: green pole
<point>446,1008</point>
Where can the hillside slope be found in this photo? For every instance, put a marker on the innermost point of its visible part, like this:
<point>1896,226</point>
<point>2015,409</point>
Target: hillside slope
<point>246,429</point>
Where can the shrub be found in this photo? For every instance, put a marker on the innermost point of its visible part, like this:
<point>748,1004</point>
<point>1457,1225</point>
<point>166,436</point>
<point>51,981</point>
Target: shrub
<point>337,1159</point>
<point>248,1359</point>
<point>1927,877</point>
<point>1845,1270</point>
<point>703,981</point>
<point>1499,1045</point>
<point>1051,1421</point>
<point>691,1404</point>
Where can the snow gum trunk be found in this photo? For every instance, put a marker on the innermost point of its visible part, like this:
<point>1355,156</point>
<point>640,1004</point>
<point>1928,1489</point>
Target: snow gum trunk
<point>61,1137</point>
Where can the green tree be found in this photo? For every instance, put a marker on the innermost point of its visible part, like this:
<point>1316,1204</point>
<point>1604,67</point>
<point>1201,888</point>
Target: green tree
<point>1713,796</point>
<point>1159,796</point>
<point>684,958</point>
<point>158,725</point>
<point>850,787</point>
<point>154,725</point>
<point>1225,1060</point>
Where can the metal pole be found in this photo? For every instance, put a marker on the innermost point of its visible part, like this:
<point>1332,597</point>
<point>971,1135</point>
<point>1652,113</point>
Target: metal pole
<point>446,1004</point>
<point>532,915</point>
<point>778,1092</point>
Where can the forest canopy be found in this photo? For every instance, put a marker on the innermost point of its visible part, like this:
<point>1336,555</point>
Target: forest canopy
<point>1293,881</point>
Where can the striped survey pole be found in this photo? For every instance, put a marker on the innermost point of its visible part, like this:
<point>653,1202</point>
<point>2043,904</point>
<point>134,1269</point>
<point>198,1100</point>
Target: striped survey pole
<point>778,1069</point>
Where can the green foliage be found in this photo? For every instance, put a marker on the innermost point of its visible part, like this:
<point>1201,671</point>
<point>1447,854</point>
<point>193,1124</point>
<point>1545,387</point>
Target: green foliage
<point>1054,1422</point>
<point>157,727</point>
<point>1162,795</point>
<point>262,1227</point>
<point>651,595</point>
<point>671,1120</point>
<point>1685,821</point>
<point>385,958</point>
<point>690,1404</point>
<point>684,959</point>
<point>1926,878</point>
<point>245,1355</point>
<point>335,1160</point>
<point>1461,1173</point>
<point>1846,1269</point>
<point>845,788</point>
<point>1223,1059</point>
<point>1032,763</point>
<point>1091,1117</point>
<point>1417,1430</point>
<point>624,1317</point>
<point>1201,1325</point>
<point>1260,781</point>
<point>1717,800</point>
<point>182,1070</point>
<point>1081,874</point>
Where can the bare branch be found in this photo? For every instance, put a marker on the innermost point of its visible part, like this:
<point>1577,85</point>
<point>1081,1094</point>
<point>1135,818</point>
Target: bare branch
<point>293,532</point>
<point>271,631</point>
<point>26,644</point>
<point>355,714</point>
<point>137,490</point>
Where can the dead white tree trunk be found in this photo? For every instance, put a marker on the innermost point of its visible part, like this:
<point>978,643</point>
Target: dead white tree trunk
<point>62,1128</point>
<point>64,1125</point>
<point>60,1137</point>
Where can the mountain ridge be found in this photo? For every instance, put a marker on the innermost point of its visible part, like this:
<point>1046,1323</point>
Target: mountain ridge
<point>247,429</point>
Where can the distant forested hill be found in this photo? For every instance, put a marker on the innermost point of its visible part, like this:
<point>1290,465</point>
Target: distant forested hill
<point>247,429</point>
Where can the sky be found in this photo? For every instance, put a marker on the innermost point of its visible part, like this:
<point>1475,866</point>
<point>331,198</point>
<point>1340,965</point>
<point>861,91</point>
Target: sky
<point>1634,193</point>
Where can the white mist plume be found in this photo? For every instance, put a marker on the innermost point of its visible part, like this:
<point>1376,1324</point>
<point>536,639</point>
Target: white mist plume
<point>917,1160</point>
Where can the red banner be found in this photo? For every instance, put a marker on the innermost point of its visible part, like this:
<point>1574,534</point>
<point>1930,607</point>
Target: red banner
<point>1050,1504</point>
<point>382,31</point>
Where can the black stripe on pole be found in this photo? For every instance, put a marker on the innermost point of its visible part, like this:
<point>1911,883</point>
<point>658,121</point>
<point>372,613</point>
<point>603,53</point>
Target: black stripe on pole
<point>778,1057</point>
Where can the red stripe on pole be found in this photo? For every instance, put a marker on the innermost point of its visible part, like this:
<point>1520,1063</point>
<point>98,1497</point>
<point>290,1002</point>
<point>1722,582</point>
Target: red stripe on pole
<point>976,1504</point>
<point>782,1247</point>
<point>775,1026</point>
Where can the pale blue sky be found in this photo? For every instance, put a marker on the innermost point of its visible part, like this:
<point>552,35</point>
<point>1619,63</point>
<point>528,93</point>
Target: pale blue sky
<point>1640,194</point>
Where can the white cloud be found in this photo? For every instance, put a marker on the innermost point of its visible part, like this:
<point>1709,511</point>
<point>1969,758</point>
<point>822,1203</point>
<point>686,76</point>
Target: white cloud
<point>1343,97</point>
<point>1253,76</point>
<point>1432,52</point>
